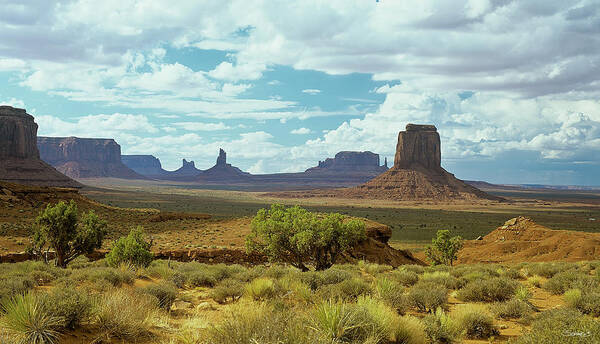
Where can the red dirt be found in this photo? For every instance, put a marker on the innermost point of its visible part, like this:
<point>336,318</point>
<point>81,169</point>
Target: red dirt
<point>522,240</point>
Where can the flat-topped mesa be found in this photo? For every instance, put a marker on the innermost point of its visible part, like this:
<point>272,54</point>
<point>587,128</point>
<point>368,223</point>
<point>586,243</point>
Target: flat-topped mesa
<point>418,145</point>
<point>146,165</point>
<point>85,157</point>
<point>349,161</point>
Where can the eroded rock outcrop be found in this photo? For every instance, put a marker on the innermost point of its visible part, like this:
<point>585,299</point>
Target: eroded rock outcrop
<point>19,154</point>
<point>223,172</point>
<point>187,169</point>
<point>417,173</point>
<point>85,157</point>
<point>350,162</point>
<point>146,165</point>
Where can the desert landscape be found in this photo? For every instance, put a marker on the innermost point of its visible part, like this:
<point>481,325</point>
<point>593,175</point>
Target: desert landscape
<point>322,172</point>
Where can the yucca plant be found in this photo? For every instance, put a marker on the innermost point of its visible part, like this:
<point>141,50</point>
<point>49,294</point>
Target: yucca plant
<point>335,321</point>
<point>27,322</point>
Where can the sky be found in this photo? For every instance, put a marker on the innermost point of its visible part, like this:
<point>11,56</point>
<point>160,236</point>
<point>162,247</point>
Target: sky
<point>512,86</point>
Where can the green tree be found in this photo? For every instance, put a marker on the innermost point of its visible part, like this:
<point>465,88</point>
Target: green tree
<point>59,228</point>
<point>132,249</point>
<point>444,248</point>
<point>299,237</point>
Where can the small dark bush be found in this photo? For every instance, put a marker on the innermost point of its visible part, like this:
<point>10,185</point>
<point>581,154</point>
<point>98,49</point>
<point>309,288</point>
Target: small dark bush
<point>201,279</point>
<point>475,323</point>
<point>349,289</point>
<point>132,249</point>
<point>405,277</point>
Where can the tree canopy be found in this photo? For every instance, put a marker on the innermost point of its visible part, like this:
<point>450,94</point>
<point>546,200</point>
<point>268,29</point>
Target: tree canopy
<point>299,237</point>
<point>444,248</point>
<point>59,228</point>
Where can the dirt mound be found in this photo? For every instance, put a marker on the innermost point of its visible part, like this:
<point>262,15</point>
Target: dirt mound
<point>522,240</point>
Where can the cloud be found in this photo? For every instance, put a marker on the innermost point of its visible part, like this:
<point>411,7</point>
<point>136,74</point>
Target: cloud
<point>17,103</point>
<point>199,126</point>
<point>311,91</point>
<point>95,126</point>
<point>301,131</point>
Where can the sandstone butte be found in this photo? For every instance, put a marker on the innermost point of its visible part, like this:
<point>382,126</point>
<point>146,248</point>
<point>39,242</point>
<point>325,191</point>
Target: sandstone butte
<point>85,157</point>
<point>417,173</point>
<point>19,155</point>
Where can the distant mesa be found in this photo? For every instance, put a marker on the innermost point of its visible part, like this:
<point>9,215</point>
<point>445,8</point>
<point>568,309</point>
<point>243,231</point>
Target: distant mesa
<point>351,162</point>
<point>85,157</point>
<point>417,173</point>
<point>19,154</point>
<point>187,169</point>
<point>146,165</point>
<point>223,172</point>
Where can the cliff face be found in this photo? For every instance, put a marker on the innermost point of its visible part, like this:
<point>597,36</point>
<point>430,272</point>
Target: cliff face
<point>17,134</point>
<point>85,157</point>
<point>222,172</point>
<point>146,165</point>
<point>419,145</point>
<point>20,155</point>
<point>353,162</point>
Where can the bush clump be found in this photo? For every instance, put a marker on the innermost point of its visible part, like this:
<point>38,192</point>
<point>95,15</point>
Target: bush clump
<point>511,309</point>
<point>427,296</point>
<point>165,293</point>
<point>488,290</point>
<point>132,249</point>
<point>69,304</point>
<point>587,302</point>
<point>125,315</point>
<point>560,326</point>
<point>474,322</point>
<point>261,289</point>
<point>404,277</point>
<point>229,290</point>
<point>441,328</point>
<point>570,279</point>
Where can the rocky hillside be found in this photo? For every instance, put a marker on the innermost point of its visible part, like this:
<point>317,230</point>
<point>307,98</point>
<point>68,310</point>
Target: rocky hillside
<point>146,165</point>
<point>85,157</point>
<point>19,154</point>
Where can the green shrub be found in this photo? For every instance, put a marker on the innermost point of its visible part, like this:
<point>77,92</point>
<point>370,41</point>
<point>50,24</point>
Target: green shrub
<point>377,321</point>
<point>201,279</point>
<point>69,304</point>
<point>165,293</point>
<point>409,330</point>
<point>511,309</point>
<point>349,289</point>
<point>12,286</point>
<point>125,315</point>
<point>132,249</point>
<point>441,278</point>
<point>444,248</point>
<point>535,281</point>
<point>299,237</point>
<point>570,279</point>
<point>116,277</point>
<point>26,321</point>
<point>441,328</point>
<point>474,322</point>
<point>392,294</point>
<point>587,302</point>
<point>488,290</point>
<point>260,324</point>
<point>404,277</point>
<point>427,296</point>
<point>261,289</point>
<point>562,326</point>
<point>372,268</point>
<point>335,321</point>
<point>316,279</point>
<point>227,290</point>
<point>547,270</point>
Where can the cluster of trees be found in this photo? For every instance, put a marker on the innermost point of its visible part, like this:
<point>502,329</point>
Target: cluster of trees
<point>293,235</point>
<point>61,229</point>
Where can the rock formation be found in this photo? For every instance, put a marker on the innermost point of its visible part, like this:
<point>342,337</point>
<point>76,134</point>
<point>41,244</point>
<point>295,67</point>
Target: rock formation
<point>187,169</point>
<point>146,165</point>
<point>85,158</point>
<point>19,155</point>
<point>352,162</point>
<point>417,173</point>
<point>223,172</point>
